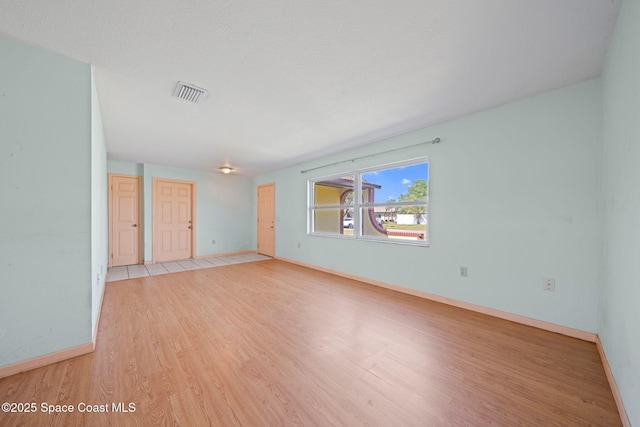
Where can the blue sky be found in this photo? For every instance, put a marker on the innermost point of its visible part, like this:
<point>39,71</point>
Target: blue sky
<point>395,181</point>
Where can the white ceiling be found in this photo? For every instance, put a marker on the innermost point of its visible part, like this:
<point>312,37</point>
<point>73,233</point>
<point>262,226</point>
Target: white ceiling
<point>290,81</point>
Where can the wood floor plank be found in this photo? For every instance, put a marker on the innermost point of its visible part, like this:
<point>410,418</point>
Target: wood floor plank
<point>270,343</point>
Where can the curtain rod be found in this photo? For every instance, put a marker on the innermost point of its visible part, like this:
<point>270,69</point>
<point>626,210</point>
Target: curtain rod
<point>433,141</point>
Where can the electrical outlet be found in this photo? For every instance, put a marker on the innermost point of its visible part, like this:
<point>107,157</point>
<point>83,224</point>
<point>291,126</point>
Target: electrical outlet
<point>463,271</point>
<point>549,284</point>
<point>213,241</point>
<point>298,245</point>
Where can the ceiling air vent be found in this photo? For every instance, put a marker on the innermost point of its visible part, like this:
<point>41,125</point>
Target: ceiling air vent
<point>190,93</point>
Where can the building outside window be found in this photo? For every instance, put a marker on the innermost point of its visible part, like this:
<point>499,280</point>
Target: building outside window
<point>388,203</point>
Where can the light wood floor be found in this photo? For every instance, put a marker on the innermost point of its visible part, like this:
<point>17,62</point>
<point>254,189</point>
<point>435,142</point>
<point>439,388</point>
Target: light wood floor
<point>270,343</point>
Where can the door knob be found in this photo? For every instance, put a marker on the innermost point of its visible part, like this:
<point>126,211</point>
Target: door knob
<point>134,225</point>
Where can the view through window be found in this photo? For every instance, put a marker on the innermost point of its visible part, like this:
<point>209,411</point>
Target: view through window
<point>388,203</point>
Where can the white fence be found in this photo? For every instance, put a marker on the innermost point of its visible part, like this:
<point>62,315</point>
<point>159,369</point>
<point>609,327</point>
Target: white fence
<point>411,219</point>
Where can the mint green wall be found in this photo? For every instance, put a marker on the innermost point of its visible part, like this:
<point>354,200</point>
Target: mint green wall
<point>224,207</point>
<point>99,208</point>
<point>45,214</point>
<point>125,168</point>
<point>619,325</point>
<point>514,197</point>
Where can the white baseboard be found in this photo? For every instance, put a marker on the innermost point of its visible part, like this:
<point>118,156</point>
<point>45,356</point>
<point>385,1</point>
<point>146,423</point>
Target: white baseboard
<point>225,254</point>
<point>95,331</point>
<point>612,383</point>
<point>212,255</point>
<point>57,356</point>
<point>44,360</point>
<point>564,330</point>
<point>82,349</point>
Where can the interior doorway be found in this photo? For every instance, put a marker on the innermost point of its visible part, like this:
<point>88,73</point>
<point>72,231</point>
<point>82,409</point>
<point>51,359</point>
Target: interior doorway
<point>173,219</point>
<point>125,221</point>
<point>266,219</point>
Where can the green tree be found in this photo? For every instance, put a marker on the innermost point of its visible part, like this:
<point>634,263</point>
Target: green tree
<point>417,192</point>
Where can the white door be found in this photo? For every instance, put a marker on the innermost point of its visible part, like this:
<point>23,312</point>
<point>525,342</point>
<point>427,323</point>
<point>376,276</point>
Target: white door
<point>124,220</point>
<point>173,222</point>
<point>266,219</point>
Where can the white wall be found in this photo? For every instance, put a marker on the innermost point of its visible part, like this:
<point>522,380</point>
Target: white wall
<point>224,207</point>
<point>99,208</point>
<point>45,213</point>
<point>514,197</point>
<point>619,325</point>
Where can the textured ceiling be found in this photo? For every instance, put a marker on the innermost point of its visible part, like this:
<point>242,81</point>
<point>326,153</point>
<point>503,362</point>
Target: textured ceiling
<point>290,81</point>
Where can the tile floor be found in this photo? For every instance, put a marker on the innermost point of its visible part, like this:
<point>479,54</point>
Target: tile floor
<point>134,271</point>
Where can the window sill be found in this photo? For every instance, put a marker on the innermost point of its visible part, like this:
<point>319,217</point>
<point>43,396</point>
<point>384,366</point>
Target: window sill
<point>391,241</point>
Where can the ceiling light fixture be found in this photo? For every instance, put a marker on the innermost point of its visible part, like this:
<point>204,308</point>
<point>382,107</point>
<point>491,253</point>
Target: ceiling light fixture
<point>226,169</point>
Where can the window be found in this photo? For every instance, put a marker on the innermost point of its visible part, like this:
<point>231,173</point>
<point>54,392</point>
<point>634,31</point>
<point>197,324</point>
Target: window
<point>388,204</point>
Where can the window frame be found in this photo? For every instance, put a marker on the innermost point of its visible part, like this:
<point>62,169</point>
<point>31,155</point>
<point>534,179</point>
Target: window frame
<point>359,207</point>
